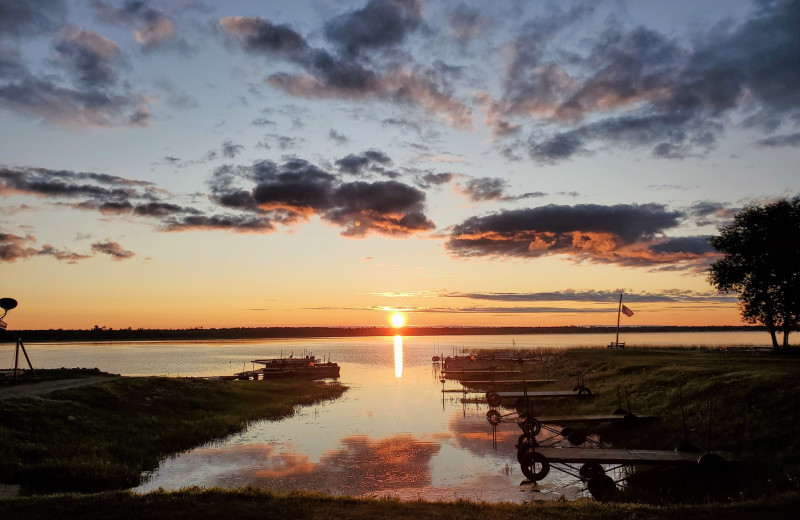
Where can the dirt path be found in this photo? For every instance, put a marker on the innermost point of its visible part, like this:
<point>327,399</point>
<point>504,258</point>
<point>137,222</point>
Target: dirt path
<point>12,391</point>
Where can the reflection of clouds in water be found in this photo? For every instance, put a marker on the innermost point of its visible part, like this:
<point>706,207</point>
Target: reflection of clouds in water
<point>476,436</point>
<point>361,466</point>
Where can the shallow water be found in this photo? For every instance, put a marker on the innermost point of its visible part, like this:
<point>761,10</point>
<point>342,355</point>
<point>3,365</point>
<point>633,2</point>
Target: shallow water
<point>393,434</point>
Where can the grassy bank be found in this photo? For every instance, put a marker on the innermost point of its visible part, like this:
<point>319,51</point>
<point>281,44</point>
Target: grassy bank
<point>252,503</point>
<point>103,436</point>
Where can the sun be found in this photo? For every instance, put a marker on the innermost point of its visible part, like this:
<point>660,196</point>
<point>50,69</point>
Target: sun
<point>398,320</point>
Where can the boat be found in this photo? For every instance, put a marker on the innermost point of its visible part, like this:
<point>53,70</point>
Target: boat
<point>306,367</point>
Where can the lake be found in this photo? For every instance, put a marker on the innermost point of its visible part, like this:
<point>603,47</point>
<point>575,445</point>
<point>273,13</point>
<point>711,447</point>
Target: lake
<point>393,433</point>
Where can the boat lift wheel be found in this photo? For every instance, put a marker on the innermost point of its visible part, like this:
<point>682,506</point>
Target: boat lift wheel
<point>494,399</point>
<point>494,417</point>
<point>531,425</point>
<point>535,466</point>
<point>590,470</point>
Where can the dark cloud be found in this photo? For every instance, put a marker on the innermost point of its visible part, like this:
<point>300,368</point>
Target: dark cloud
<point>709,213</point>
<point>153,29</point>
<point>15,247</point>
<point>238,223</point>
<point>381,23</point>
<point>677,98</point>
<point>64,183</point>
<point>485,188</point>
<point>231,150</point>
<point>623,234</point>
<point>282,142</point>
<point>67,106</point>
<point>30,17</point>
<point>670,296</point>
<point>296,190</point>
<point>369,161</point>
<point>388,207</point>
<point>61,254</point>
<point>343,76</point>
<point>434,179</point>
<point>263,121</point>
<point>778,141</point>
<point>492,188</point>
<point>337,137</point>
<point>113,249</point>
<point>466,23</point>
<point>89,57</point>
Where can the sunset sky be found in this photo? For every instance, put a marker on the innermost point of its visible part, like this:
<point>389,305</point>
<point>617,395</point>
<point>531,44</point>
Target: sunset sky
<point>183,163</point>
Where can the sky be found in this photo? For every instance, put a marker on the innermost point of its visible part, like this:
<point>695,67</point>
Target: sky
<point>187,163</point>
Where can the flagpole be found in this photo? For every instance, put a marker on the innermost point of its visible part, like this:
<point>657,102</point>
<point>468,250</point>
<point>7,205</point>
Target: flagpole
<point>619,310</point>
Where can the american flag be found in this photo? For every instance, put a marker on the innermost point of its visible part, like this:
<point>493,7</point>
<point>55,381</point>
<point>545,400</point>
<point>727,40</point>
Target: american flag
<point>626,311</point>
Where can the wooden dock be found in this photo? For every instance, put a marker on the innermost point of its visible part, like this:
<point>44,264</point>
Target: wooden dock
<point>616,456</point>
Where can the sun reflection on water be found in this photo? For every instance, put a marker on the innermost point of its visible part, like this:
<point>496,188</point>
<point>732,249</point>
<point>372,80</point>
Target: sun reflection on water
<point>398,356</point>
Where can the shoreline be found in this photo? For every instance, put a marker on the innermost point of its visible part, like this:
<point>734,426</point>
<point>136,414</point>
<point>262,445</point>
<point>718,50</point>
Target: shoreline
<point>65,335</point>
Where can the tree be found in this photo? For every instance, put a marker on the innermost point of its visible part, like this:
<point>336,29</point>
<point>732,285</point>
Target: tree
<point>761,264</point>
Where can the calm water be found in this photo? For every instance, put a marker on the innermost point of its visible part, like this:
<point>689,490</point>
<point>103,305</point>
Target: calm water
<point>391,435</point>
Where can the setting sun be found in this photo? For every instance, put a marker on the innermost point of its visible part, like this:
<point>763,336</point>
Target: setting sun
<point>398,320</point>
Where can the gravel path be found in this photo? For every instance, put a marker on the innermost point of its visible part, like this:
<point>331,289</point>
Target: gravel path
<point>12,391</point>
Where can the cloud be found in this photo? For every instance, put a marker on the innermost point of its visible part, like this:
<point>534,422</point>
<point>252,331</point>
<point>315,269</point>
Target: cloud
<point>89,57</point>
<point>381,23</point>
<point>491,188</point>
<point>70,107</point>
<point>113,249</point>
<point>466,23</point>
<point>630,235</point>
<point>231,150</point>
<point>778,141</point>
<point>591,296</point>
<point>152,29</point>
<point>337,137</point>
<point>371,160</point>
<point>15,247</point>
<point>428,180</point>
<point>31,17</point>
<point>283,142</point>
<point>329,76</point>
<point>297,190</point>
<point>640,89</point>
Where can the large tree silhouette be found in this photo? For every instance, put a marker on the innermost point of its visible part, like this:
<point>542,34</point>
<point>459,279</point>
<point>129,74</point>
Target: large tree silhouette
<point>761,264</point>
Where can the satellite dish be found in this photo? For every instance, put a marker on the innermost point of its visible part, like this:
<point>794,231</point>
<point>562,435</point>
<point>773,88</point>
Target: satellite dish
<point>8,303</point>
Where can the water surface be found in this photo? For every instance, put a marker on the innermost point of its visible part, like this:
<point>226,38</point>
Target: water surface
<point>393,434</point>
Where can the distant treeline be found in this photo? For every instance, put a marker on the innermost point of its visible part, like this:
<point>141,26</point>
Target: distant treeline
<point>106,334</point>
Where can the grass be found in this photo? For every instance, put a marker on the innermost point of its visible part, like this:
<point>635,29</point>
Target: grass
<point>244,503</point>
<point>103,436</point>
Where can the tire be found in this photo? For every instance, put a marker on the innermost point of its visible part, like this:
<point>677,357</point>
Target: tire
<point>535,466</point>
<point>532,426</point>
<point>584,392</point>
<point>590,470</point>
<point>712,462</point>
<point>494,399</point>
<point>494,417</point>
